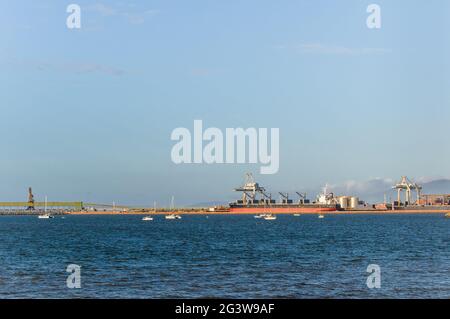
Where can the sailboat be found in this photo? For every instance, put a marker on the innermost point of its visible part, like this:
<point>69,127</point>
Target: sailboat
<point>173,216</point>
<point>172,208</point>
<point>150,218</point>
<point>260,215</point>
<point>268,216</point>
<point>45,215</point>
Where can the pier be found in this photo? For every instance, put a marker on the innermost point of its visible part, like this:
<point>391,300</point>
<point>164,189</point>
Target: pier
<point>57,208</point>
<point>36,208</point>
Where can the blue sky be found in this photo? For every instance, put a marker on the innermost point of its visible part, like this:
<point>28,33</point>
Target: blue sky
<point>87,114</point>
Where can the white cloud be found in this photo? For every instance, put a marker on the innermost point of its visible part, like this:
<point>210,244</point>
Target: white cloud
<point>102,9</point>
<point>363,187</point>
<point>428,179</point>
<point>129,12</point>
<point>318,48</point>
<point>93,68</point>
<point>373,190</point>
<point>200,72</point>
<point>139,18</point>
<point>74,67</point>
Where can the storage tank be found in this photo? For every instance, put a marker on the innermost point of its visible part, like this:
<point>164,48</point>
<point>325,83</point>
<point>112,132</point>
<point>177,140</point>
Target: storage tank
<point>354,202</point>
<point>343,202</point>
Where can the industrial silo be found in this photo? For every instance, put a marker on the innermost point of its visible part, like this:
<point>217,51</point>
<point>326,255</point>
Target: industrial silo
<point>354,202</point>
<point>343,202</point>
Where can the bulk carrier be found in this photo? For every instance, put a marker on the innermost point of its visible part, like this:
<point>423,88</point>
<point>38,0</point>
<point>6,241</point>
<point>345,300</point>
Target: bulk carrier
<point>256,200</point>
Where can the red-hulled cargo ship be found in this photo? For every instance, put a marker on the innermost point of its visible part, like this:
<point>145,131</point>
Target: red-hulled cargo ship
<point>278,208</point>
<point>256,200</point>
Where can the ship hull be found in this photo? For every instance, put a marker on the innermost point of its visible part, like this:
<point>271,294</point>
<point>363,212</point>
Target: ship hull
<point>281,210</point>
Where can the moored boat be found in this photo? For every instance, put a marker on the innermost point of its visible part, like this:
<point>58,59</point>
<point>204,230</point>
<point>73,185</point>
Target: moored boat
<point>173,216</point>
<point>260,215</point>
<point>45,216</point>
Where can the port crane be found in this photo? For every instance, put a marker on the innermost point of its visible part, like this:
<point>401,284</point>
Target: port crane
<point>285,197</point>
<point>30,199</point>
<point>251,189</point>
<point>408,186</point>
<point>302,196</point>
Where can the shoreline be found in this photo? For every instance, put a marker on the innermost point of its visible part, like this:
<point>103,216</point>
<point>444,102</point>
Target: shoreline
<point>208,213</point>
<point>360,212</point>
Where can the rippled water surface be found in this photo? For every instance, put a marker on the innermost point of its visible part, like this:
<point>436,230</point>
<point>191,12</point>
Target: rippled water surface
<point>225,256</point>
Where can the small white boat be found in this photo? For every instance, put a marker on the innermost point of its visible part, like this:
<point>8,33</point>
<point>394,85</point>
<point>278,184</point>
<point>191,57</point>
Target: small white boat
<point>146,218</point>
<point>321,216</point>
<point>270,217</point>
<point>172,208</point>
<point>297,215</point>
<point>260,215</point>
<point>173,216</point>
<point>45,216</point>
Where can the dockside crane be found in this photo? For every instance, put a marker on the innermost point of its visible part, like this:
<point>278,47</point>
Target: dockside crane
<point>285,197</point>
<point>302,197</point>
<point>250,190</point>
<point>30,199</point>
<point>406,185</point>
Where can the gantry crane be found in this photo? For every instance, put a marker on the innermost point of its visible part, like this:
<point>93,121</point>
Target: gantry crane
<point>406,185</point>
